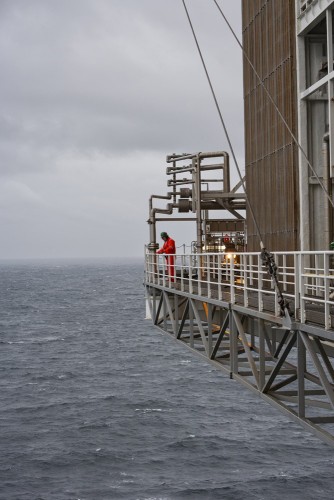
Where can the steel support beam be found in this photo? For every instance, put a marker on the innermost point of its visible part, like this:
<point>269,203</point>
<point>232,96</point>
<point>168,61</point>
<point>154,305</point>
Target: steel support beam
<point>245,355</point>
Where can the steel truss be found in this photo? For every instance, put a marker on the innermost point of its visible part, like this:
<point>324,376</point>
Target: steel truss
<point>291,369</point>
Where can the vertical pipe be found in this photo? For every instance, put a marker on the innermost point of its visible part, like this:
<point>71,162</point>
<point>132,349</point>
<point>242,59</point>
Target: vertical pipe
<point>326,181</point>
<point>304,195</point>
<point>153,246</point>
<point>330,57</point>
<point>325,165</point>
<point>198,204</point>
<point>174,182</point>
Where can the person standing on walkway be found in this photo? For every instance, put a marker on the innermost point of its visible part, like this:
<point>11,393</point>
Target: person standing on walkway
<point>169,249</point>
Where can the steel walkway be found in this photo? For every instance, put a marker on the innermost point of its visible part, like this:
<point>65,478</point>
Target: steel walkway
<point>227,312</point>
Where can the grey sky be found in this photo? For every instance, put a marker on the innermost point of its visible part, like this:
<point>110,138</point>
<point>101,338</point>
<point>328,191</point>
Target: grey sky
<point>94,95</point>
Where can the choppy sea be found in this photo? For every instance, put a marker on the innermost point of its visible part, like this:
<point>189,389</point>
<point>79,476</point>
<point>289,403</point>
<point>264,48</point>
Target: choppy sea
<point>97,404</point>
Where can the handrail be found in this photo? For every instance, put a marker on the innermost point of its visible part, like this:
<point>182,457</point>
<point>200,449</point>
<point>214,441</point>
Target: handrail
<point>306,278</point>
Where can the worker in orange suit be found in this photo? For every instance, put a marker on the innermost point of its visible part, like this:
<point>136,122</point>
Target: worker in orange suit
<point>169,249</point>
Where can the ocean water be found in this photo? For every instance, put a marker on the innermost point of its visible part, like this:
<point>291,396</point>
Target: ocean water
<point>98,404</point>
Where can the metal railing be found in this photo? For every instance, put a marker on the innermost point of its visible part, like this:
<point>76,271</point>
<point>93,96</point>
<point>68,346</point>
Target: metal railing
<point>306,280</point>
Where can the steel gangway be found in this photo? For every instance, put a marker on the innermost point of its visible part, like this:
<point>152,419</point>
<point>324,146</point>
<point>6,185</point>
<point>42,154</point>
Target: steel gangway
<point>224,307</point>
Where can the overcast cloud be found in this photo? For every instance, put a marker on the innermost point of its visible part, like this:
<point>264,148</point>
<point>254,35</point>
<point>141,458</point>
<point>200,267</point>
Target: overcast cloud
<point>94,95</point>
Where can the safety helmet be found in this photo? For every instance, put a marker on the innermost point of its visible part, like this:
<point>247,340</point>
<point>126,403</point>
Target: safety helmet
<point>164,235</point>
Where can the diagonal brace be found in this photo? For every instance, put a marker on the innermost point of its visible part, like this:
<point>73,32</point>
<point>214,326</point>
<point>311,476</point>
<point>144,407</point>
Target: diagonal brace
<point>200,326</point>
<point>322,375</point>
<point>183,320</point>
<point>222,332</point>
<point>280,362</point>
<point>244,341</point>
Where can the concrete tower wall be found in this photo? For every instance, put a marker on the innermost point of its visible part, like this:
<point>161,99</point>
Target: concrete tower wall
<point>271,155</point>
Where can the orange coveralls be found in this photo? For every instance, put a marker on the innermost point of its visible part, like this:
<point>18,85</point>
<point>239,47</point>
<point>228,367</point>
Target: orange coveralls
<point>169,248</point>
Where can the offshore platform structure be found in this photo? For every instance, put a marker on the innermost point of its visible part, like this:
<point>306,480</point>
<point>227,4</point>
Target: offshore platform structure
<point>255,294</point>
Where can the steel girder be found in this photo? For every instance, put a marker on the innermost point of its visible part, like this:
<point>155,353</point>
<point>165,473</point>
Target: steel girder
<point>291,369</point>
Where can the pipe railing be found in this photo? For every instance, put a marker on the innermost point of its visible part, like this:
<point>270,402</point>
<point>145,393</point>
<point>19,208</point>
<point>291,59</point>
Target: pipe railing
<point>306,280</point>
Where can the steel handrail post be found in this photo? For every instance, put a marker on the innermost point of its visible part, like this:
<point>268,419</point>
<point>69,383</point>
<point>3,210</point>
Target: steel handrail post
<point>199,273</point>
<point>182,272</point>
<point>150,267</point>
<point>251,270</point>
<point>296,259</point>
<point>163,271</point>
<point>156,270</point>
<point>153,258</point>
<point>146,270</point>
<point>244,260</point>
<point>208,269</point>
<point>326,292</point>
<point>330,272</point>
<point>284,271</point>
<point>231,265</point>
<point>215,267</point>
<point>277,306</point>
<point>302,291</point>
<point>318,280</point>
<point>168,264</point>
<point>220,295</point>
<point>190,275</point>
<point>260,283</point>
